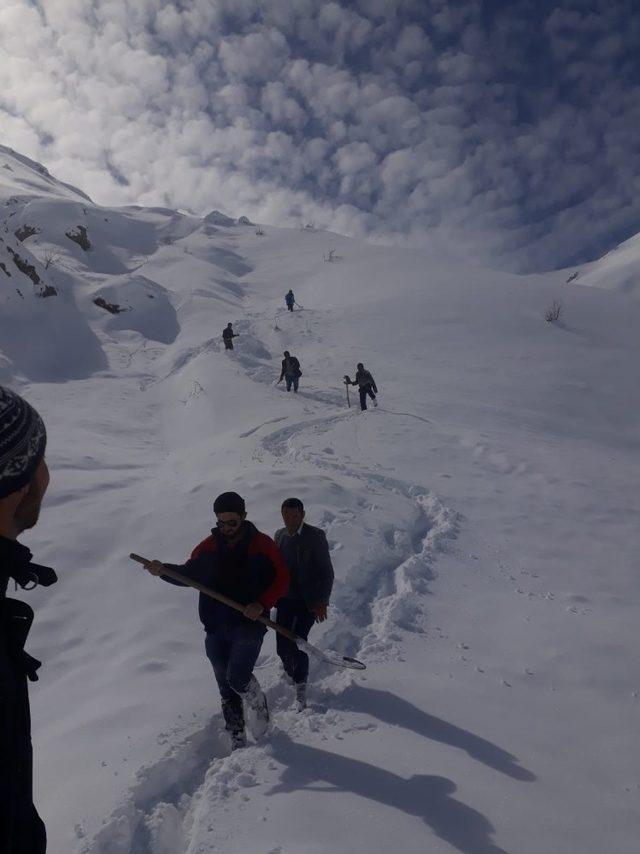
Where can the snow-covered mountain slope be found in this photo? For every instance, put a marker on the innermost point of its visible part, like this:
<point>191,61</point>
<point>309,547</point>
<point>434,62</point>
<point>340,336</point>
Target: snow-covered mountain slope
<point>618,270</point>
<point>483,525</point>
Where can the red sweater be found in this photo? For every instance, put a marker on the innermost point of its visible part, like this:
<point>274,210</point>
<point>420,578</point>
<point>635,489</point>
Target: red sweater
<point>260,546</point>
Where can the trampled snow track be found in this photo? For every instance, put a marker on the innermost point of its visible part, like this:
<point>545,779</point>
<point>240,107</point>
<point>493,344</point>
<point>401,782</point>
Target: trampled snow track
<point>175,801</point>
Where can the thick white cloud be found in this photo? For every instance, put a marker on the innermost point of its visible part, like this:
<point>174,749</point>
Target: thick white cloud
<point>512,137</point>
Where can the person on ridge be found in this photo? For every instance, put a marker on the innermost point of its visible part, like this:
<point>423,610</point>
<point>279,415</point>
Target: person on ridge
<point>227,336</point>
<point>243,564</point>
<point>291,371</point>
<point>306,553</point>
<point>24,478</point>
<point>290,299</point>
<point>366,385</point>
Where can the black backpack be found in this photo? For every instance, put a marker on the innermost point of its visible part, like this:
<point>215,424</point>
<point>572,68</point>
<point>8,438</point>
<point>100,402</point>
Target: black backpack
<point>295,364</point>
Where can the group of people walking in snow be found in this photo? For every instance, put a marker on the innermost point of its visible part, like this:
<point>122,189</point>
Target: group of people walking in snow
<point>292,573</point>
<point>291,370</point>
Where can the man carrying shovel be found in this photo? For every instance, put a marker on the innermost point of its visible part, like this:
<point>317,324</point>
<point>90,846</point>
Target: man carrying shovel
<point>244,565</point>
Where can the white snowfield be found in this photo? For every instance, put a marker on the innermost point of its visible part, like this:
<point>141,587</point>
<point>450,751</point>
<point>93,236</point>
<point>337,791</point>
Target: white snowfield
<point>483,523</point>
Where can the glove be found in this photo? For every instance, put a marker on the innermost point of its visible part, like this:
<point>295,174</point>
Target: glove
<point>31,574</point>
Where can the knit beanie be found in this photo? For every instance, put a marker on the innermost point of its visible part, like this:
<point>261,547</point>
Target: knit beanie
<point>229,502</point>
<point>23,439</point>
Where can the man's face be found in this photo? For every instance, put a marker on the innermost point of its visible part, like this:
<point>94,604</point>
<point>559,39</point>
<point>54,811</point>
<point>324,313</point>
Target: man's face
<point>230,524</point>
<point>28,510</point>
<point>292,518</point>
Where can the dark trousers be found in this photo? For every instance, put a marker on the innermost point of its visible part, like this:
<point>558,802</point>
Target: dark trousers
<point>27,834</point>
<point>22,831</point>
<point>364,391</point>
<point>291,381</point>
<point>294,615</point>
<point>228,343</point>
<point>290,306</point>
<point>233,649</point>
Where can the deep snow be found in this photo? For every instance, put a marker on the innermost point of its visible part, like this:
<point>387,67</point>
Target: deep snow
<point>483,524</point>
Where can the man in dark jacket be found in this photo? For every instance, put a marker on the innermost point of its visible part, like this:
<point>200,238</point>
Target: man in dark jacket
<point>290,371</point>
<point>244,565</point>
<point>306,553</point>
<point>366,385</point>
<point>290,299</point>
<point>227,336</point>
<point>24,478</point>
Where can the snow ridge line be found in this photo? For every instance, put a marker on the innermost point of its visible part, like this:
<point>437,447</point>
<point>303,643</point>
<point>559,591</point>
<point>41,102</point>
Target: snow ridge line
<point>401,609</point>
<point>435,524</point>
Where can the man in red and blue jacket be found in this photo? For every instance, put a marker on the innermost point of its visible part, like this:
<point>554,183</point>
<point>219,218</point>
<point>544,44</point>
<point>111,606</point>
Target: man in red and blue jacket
<point>245,565</point>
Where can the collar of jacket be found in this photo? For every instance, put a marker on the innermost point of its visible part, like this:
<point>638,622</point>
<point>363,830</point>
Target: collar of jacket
<point>249,531</point>
<point>295,533</point>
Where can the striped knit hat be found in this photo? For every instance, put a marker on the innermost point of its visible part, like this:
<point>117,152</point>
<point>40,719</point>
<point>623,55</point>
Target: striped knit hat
<point>23,439</point>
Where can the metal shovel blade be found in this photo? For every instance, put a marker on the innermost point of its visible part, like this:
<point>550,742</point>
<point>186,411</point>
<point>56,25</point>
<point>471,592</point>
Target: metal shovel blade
<point>332,657</point>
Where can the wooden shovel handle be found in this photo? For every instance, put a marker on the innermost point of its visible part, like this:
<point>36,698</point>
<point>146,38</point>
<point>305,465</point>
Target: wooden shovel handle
<point>231,603</point>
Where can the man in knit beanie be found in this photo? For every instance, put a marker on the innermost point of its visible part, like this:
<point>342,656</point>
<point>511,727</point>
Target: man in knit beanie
<point>24,478</point>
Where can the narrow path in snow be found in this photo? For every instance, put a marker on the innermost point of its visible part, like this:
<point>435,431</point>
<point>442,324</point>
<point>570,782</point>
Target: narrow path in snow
<point>185,796</point>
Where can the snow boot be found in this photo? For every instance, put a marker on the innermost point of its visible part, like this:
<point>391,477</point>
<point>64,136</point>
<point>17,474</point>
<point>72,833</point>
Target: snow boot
<point>256,708</point>
<point>234,722</point>
<point>301,696</point>
<point>238,740</point>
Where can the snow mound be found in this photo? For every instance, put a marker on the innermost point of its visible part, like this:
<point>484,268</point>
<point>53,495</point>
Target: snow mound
<point>218,218</point>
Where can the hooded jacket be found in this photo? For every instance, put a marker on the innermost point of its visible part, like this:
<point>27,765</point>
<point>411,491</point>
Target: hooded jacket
<point>364,378</point>
<point>290,367</point>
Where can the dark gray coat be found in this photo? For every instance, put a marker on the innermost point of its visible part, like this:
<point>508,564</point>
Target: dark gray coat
<point>312,578</point>
<point>21,828</point>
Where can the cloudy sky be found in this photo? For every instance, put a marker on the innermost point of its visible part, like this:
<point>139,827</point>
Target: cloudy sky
<point>504,130</point>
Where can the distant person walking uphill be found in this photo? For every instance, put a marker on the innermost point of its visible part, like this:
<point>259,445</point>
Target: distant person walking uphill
<point>245,565</point>
<point>366,385</point>
<point>291,371</point>
<point>290,299</point>
<point>227,336</point>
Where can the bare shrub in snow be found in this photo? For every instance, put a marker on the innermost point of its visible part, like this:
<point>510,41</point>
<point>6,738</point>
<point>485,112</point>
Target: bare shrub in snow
<point>51,258</point>
<point>554,312</point>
